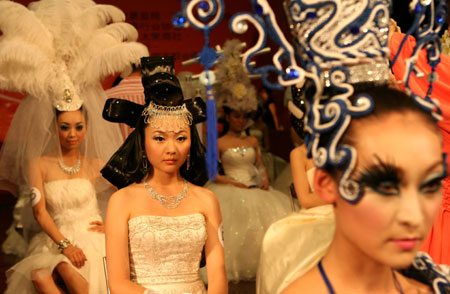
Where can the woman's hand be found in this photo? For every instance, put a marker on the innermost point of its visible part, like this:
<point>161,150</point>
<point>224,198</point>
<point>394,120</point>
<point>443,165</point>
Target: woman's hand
<point>264,185</point>
<point>240,185</point>
<point>97,226</point>
<point>75,255</point>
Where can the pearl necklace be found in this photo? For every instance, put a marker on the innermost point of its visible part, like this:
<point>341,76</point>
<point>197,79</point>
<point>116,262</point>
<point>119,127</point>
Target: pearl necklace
<point>169,202</point>
<point>71,170</point>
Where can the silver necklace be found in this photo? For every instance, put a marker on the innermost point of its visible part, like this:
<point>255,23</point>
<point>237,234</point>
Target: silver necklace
<point>71,170</point>
<point>169,202</point>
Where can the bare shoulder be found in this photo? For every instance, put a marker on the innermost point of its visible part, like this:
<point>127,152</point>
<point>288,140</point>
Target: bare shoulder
<point>203,193</point>
<point>125,196</point>
<point>94,162</point>
<point>252,140</point>
<point>295,153</point>
<point>207,198</point>
<point>309,283</point>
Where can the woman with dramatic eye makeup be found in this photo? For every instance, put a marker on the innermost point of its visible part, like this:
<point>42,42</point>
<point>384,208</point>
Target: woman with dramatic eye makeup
<point>159,222</point>
<point>377,152</point>
<point>380,235</point>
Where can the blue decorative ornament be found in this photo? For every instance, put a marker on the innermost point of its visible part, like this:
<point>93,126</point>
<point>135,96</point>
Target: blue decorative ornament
<point>178,20</point>
<point>265,22</point>
<point>209,13</point>
<point>204,5</point>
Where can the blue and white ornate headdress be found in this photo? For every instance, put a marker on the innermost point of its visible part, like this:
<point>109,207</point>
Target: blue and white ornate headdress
<point>338,44</point>
<point>341,43</point>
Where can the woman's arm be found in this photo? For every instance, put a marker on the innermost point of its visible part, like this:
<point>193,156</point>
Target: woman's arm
<point>273,111</point>
<point>116,230</point>
<point>73,253</point>
<point>305,197</point>
<point>224,180</point>
<point>260,164</point>
<point>215,260</point>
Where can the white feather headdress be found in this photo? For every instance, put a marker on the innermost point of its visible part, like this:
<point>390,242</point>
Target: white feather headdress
<point>56,49</point>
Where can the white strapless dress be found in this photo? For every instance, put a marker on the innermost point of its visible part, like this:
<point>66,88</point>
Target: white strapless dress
<point>247,213</point>
<point>165,252</point>
<point>294,244</point>
<point>72,203</point>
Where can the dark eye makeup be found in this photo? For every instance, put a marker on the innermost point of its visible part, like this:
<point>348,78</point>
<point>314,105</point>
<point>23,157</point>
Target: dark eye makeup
<point>433,183</point>
<point>385,178</point>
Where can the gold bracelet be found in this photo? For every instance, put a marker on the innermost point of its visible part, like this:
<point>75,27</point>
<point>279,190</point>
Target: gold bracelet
<point>63,244</point>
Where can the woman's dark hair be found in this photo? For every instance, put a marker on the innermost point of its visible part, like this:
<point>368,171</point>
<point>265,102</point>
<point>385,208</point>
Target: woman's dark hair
<point>130,163</point>
<point>226,126</point>
<point>386,101</point>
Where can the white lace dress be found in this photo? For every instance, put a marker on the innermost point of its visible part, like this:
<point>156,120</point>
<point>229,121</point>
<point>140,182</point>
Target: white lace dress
<point>72,203</point>
<point>165,252</point>
<point>246,213</point>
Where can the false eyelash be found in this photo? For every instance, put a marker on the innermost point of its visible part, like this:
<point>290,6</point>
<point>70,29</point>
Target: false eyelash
<point>375,175</point>
<point>436,180</point>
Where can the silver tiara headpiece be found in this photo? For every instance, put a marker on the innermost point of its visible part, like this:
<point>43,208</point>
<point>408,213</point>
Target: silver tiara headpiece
<point>167,118</point>
<point>158,69</point>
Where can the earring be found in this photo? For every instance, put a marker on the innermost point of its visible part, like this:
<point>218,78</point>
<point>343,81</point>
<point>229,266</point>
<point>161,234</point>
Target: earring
<point>188,161</point>
<point>144,162</point>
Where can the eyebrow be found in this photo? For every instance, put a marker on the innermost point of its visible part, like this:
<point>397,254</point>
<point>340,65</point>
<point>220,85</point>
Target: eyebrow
<point>389,164</point>
<point>162,132</point>
<point>67,123</point>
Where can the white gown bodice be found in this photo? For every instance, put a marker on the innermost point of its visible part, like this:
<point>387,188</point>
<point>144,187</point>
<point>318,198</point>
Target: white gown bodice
<point>165,252</point>
<point>71,201</point>
<point>239,165</point>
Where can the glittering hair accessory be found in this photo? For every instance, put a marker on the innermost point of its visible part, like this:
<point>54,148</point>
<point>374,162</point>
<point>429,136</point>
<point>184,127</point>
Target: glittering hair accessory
<point>341,43</point>
<point>233,88</point>
<point>167,117</point>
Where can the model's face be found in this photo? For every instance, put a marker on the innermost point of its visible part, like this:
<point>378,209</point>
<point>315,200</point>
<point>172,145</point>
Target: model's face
<point>167,150</point>
<point>71,129</point>
<point>237,120</point>
<point>400,166</point>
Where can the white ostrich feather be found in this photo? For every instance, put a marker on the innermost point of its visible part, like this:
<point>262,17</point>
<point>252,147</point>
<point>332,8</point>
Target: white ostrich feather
<point>107,37</point>
<point>30,28</point>
<point>55,45</point>
<point>99,16</point>
<point>112,60</point>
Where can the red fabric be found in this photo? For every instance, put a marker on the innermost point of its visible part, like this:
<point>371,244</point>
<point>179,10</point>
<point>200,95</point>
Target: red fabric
<point>437,243</point>
<point>131,89</point>
<point>441,88</point>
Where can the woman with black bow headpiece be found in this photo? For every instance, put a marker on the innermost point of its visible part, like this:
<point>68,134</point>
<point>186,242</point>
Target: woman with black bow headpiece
<point>158,224</point>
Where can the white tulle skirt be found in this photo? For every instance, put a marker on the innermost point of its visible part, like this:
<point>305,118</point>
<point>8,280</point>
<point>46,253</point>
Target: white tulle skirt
<point>43,254</point>
<point>247,213</point>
